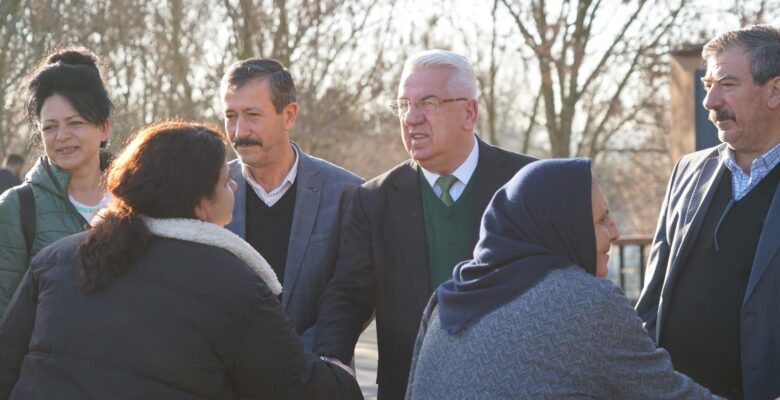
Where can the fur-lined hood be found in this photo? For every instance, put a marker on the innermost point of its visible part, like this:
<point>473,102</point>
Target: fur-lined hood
<point>193,230</point>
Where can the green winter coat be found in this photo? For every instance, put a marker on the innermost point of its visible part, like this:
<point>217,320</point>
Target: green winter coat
<point>55,218</point>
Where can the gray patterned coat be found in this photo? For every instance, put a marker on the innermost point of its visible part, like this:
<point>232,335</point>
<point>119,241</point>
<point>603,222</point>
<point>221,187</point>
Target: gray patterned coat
<point>572,336</point>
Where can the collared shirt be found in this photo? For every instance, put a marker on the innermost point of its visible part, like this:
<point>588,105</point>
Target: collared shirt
<point>741,183</point>
<point>271,198</point>
<point>463,173</point>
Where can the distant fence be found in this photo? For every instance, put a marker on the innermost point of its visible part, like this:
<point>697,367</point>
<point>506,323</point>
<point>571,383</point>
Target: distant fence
<point>632,254</point>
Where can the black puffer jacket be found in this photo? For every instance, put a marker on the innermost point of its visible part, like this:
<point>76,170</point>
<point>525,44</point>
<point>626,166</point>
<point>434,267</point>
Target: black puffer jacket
<point>188,321</point>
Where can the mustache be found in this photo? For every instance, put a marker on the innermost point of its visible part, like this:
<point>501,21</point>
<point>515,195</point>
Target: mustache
<point>722,115</point>
<point>247,142</point>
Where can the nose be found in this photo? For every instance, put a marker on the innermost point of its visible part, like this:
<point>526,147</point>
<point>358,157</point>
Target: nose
<point>63,133</point>
<point>239,129</point>
<point>414,116</point>
<point>713,100</point>
<point>614,233</point>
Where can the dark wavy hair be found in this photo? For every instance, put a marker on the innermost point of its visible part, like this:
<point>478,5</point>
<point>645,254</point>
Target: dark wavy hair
<point>73,74</point>
<point>165,170</point>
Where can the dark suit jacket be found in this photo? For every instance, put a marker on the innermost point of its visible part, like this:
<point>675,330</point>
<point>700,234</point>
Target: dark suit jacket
<point>383,265</point>
<point>324,192</point>
<point>688,197</point>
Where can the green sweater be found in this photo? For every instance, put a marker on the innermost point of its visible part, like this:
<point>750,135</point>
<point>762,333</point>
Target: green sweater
<point>55,218</point>
<point>447,230</point>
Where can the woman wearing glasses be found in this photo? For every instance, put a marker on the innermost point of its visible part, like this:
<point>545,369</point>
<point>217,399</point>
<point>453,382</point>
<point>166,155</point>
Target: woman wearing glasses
<point>67,103</point>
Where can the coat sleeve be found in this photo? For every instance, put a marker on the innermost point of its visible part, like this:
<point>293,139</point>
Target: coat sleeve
<point>13,248</point>
<point>348,301</point>
<point>348,189</point>
<point>627,363</point>
<point>16,327</point>
<point>657,262</point>
<point>271,362</point>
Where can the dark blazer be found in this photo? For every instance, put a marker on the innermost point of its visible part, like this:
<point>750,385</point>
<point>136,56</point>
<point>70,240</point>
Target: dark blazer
<point>324,192</point>
<point>383,265</point>
<point>187,321</point>
<point>688,197</point>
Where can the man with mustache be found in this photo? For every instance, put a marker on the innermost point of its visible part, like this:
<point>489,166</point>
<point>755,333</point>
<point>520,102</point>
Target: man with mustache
<point>410,226</point>
<point>289,205</point>
<point>712,297</point>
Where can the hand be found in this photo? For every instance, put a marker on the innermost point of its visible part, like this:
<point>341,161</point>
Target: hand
<point>336,362</point>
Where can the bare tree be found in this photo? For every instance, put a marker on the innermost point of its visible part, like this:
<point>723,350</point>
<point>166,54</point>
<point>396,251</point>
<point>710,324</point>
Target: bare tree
<point>322,42</point>
<point>587,53</point>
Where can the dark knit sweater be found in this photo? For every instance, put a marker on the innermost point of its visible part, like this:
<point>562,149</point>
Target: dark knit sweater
<point>268,228</point>
<point>447,230</point>
<point>702,329</point>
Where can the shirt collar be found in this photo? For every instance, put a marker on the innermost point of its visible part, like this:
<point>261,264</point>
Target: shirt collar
<point>286,182</point>
<point>766,161</point>
<point>463,172</point>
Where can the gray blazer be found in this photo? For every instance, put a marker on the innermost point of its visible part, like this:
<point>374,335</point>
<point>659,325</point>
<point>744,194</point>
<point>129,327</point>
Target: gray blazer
<point>688,197</point>
<point>322,200</point>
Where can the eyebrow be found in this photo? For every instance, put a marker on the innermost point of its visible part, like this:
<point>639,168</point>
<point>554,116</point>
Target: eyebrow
<point>241,109</point>
<point>66,118</point>
<point>707,79</point>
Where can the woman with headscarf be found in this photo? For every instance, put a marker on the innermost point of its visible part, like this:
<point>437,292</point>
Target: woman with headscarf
<point>530,317</point>
<point>157,300</point>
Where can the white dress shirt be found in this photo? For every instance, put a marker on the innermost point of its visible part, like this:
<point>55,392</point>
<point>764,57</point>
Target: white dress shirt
<point>463,173</point>
<point>271,198</point>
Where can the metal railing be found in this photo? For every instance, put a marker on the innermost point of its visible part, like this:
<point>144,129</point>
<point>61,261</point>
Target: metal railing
<point>632,254</point>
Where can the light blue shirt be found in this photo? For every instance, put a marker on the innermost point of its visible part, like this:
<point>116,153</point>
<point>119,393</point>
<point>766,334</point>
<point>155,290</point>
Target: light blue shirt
<point>463,173</point>
<point>741,183</point>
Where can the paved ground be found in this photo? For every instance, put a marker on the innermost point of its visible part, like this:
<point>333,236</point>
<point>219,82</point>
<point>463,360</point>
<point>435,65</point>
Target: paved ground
<point>365,362</point>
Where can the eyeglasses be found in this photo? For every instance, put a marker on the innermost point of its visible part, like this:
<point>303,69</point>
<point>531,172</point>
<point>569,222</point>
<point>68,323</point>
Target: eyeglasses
<point>400,107</point>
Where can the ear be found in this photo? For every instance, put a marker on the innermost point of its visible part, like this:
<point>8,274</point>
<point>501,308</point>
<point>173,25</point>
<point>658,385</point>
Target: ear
<point>203,210</point>
<point>774,92</point>
<point>472,111</point>
<point>290,113</point>
<point>105,128</point>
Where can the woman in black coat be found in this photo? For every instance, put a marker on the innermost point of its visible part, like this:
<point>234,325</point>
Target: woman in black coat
<point>158,300</point>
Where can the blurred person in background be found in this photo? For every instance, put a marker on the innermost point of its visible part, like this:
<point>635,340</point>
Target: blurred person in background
<point>158,300</point>
<point>67,104</point>
<point>11,173</point>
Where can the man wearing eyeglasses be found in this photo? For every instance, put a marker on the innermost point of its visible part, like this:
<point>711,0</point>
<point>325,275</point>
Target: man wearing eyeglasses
<point>410,226</point>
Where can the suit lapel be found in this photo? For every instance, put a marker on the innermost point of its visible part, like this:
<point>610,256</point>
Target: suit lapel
<point>307,205</point>
<point>405,203</point>
<point>490,175</point>
<point>768,243</point>
<point>238,224</point>
<point>697,207</point>
<point>692,218</point>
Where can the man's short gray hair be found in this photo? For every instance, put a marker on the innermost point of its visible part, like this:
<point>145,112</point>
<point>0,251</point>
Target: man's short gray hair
<point>463,73</point>
<point>760,42</point>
